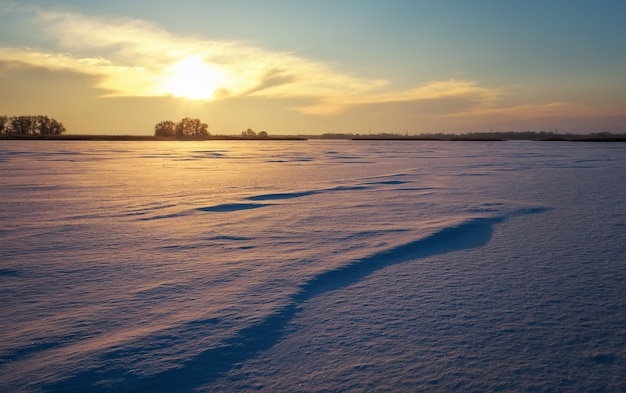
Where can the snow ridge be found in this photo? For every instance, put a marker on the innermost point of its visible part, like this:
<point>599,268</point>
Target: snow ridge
<point>248,342</point>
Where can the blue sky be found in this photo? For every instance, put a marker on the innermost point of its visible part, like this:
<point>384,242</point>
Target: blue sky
<point>312,67</point>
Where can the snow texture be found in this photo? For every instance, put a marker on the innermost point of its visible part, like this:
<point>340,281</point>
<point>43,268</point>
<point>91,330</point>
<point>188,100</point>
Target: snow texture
<point>319,266</point>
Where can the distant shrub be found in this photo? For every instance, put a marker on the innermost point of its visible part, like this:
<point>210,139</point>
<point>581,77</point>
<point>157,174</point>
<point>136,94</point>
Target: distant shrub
<point>250,133</point>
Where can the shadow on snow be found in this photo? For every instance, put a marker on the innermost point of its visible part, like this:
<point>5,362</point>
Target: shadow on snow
<point>248,342</point>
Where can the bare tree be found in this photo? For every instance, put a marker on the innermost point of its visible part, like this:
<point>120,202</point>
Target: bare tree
<point>49,126</point>
<point>191,127</point>
<point>165,128</point>
<point>4,124</point>
<point>23,125</point>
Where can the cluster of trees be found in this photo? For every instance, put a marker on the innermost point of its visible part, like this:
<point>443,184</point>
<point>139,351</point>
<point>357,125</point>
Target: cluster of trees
<point>249,133</point>
<point>187,127</point>
<point>30,126</point>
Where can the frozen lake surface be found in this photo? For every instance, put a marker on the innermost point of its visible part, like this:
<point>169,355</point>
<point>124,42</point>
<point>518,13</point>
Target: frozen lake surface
<point>318,266</point>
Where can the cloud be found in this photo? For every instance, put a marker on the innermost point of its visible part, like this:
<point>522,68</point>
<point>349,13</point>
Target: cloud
<point>539,110</point>
<point>440,90</point>
<point>136,58</point>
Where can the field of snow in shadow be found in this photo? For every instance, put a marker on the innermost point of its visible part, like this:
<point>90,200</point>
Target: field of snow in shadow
<point>318,266</point>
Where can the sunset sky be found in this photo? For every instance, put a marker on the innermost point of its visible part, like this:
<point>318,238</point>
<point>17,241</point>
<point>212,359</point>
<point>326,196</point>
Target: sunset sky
<point>296,66</point>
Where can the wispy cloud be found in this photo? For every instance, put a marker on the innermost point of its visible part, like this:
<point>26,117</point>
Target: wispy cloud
<point>137,58</point>
<point>480,97</point>
<point>539,110</point>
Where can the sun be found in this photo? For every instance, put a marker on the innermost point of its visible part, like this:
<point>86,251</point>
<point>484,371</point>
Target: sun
<point>192,78</point>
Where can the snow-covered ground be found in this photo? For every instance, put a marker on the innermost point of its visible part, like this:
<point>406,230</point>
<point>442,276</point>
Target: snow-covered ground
<point>317,266</point>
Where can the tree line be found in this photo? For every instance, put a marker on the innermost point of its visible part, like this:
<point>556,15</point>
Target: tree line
<point>30,126</point>
<point>187,127</point>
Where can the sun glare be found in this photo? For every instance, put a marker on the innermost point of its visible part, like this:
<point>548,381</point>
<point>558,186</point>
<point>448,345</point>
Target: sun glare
<point>191,78</point>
